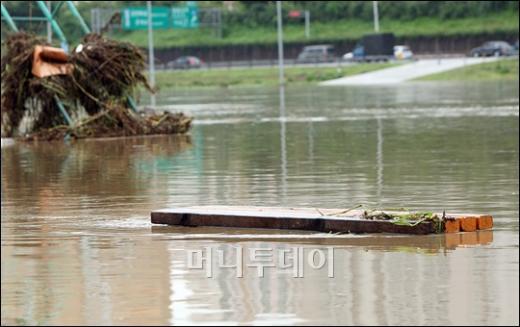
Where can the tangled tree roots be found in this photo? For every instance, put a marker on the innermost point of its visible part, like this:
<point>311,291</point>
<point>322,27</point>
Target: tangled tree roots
<point>105,73</point>
<point>117,121</point>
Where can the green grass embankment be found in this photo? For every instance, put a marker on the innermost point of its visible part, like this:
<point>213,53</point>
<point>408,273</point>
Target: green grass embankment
<point>504,69</point>
<point>261,76</point>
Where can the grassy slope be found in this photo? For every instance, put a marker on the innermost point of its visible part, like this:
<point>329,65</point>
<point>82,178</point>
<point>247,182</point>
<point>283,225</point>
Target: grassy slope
<point>259,75</point>
<point>338,30</point>
<point>503,69</point>
<point>506,69</point>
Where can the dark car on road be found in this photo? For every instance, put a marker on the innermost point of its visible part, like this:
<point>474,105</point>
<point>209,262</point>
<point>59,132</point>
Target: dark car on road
<point>185,62</point>
<point>493,48</point>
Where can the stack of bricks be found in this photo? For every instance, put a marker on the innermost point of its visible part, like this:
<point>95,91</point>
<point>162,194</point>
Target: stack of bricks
<point>467,224</point>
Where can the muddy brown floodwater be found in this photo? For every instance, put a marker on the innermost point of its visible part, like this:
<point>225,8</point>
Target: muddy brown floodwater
<point>78,246</point>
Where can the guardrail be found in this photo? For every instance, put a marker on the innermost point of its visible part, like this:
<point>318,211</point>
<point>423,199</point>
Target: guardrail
<point>338,62</point>
<point>257,63</point>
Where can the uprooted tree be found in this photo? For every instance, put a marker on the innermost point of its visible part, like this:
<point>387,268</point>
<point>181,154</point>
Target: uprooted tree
<point>95,91</point>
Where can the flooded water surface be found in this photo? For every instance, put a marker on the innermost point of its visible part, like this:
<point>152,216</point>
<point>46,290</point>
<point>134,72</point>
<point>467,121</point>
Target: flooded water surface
<point>78,246</point>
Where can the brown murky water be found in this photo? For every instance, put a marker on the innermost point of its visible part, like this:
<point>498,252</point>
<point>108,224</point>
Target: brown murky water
<point>78,248</point>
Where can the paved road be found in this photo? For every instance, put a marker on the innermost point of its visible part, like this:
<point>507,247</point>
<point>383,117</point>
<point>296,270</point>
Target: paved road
<point>260,64</point>
<point>244,64</point>
<point>407,72</point>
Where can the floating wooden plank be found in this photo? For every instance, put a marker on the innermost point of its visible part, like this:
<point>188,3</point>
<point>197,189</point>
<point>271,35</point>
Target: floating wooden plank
<point>322,220</point>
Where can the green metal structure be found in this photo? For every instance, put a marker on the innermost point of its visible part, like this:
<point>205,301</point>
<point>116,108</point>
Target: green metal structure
<point>55,27</point>
<point>8,19</point>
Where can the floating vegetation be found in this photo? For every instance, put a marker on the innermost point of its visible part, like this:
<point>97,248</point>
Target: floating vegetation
<point>104,74</point>
<point>398,216</point>
<point>405,218</point>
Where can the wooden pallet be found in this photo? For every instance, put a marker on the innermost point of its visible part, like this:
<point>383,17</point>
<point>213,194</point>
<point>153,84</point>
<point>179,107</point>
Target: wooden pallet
<point>322,220</point>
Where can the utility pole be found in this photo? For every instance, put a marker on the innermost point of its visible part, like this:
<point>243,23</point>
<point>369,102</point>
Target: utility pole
<point>307,24</point>
<point>376,17</point>
<point>49,27</point>
<point>151,60</point>
<point>280,42</point>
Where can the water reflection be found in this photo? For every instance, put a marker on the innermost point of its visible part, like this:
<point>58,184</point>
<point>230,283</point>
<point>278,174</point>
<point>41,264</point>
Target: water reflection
<point>89,172</point>
<point>379,159</point>
<point>283,145</point>
<point>364,283</point>
<point>441,243</point>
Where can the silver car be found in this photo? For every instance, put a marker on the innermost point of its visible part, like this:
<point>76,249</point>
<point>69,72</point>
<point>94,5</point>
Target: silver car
<point>317,53</point>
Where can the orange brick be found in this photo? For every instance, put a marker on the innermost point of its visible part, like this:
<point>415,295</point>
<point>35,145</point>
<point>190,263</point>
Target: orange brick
<point>468,224</point>
<point>484,222</point>
<point>451,226</point>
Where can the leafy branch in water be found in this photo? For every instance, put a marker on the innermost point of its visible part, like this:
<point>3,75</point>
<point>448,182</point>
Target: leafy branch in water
<point>397,216</point>
<point>405,218</point>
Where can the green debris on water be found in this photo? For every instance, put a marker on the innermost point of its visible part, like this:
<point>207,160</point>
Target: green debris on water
<point>405,218</point>
<point>397,216</point>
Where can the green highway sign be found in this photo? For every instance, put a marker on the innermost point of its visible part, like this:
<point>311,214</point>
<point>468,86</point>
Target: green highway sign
<point>136,18</point>
<point>185,17</point>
